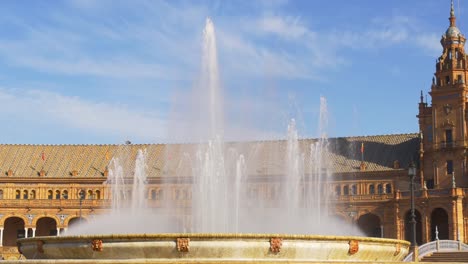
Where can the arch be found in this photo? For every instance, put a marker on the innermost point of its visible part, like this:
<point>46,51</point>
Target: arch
<point>380,189</point>
<point>57,194</point>
<point>17,194</point>
<point>13,229</point>
<point>46,226</point>
<point>388,188</point>
<point>346,190</point>
<point>439,218</point>
<point>90,194</point>
<point>1,194</point>
<point>32,194</point>
<point>98,194</point>
<point>370,224</point>
<point>65,194</point>
<point>408,230</point>
<point>25,194</point>
<point>353,189</point>
<point>153,194</point>
<point>50,195</point>
<point>371,189</point>
<point>337,190</point>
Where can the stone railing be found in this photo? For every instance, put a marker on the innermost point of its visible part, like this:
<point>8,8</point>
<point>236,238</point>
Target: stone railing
<point>435,246</point>
<point>64,203</point>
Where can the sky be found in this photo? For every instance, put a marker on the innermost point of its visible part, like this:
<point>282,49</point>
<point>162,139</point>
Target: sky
<point>107,71</point>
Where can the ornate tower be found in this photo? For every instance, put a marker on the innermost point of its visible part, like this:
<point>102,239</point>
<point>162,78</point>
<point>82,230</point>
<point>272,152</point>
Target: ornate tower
<point>443,124</point>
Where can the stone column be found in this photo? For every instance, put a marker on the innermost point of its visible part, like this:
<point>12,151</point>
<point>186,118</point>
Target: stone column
<point>26,232</point>
<point>33,232</point>
<point>1,236</point>
<point>58,231</point>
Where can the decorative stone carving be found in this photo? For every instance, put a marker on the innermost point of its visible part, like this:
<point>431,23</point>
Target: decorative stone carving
<point>447,109</point>
<point>275,244</point>
<point>183,244</point>
<point>10,173</point>
<point>74,173</point>
<point>39,246</point>
<point>353,247</point>
<point>105,173</point>
<point>362,166</point>
<point>96,245</point>
<point>397,249</point>
<point>448,123</point>
<point>42,173</point>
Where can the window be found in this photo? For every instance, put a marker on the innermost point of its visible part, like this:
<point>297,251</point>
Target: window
<point>388,188</point>
<point>430,184</point>
<point>32,194</point>
<point>449,166</point>
<point>1,194</point>
<point>338,190</point>
<point>353,189</point>
<point>153,194</point>
<point>346,190</point>
<point>98,194</point>
<point>459,79</point>
<point>57,194</point>
<point>448,136</point>
<point>50,195</point>
<point>380,188</point>
<point>18,194</point>
<point>25,194</point>
<point>90,194</point>
<point>371,189</point>
<point>65,194</point>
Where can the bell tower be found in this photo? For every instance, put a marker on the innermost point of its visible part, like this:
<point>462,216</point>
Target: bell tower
<point>443,124</point>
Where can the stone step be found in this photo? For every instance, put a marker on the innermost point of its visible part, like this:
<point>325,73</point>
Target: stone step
<point>447,256</point>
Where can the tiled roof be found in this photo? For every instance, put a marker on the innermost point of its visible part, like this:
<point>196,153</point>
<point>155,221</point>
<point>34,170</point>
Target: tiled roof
<point>262,157</point>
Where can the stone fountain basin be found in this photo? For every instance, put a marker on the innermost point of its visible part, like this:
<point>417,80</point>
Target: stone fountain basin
<point>215,247</point>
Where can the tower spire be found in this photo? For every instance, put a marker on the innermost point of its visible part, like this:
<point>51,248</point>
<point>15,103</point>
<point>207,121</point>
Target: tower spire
<point>452,14</point>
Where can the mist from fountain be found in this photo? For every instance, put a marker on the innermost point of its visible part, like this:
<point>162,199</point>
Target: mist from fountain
<point>224,196</point>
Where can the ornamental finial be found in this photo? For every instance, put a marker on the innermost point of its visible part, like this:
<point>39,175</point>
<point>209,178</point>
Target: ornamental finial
<point>452,12</point>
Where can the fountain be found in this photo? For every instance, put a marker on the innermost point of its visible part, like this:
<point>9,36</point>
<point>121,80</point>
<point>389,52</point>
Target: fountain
<point>229,223</point>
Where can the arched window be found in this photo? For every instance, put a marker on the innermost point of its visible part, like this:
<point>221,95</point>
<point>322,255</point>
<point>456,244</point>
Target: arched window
<point>90,194</point>
<point>25,194</point>
<point>32,194</point>
<point>353,189</point>
<point>98,194</point>
<point>65,194</point>
<point>50,195</point>
<point>371,189</point>
<point>18,194</point>
<point>346,190</point>
<point>338,190</point>
<point>57,194</point>
<point>153,194</point>
<point>1,194</point>
<point>380,188</point>
<point>388,188</point>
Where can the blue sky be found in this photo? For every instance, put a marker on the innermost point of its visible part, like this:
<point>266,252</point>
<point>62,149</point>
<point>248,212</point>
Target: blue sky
<point>99,72</point>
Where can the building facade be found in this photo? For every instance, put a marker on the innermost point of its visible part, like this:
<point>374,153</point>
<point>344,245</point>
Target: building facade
<point>45,189</point>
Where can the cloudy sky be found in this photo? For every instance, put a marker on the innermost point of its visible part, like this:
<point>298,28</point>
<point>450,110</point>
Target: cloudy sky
<point>84,71</point>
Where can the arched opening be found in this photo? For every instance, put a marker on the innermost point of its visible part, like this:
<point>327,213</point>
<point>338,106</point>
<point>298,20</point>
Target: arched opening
<point>90,194</point>
<point>346,190</point>
<point>337,190</point>
<point>153,194</point>
<point>388,188</point>
<point>14,229</point>
<point>65,194</point>
<point>57,194</point>
<point>1,194</point>
<point>50,195</point>
<point>25,194</point>
<point>46,226</point>
<point>408,227</point>
<point>439,218</point>
<point>17,194</point>
<point>370,225</point>
<point>32,194</point>
<point>353,189</point>
<point>371,189</point>
<point>98,194</point>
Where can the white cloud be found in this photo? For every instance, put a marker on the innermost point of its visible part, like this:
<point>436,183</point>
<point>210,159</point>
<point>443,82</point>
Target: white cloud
<point>87,116</point>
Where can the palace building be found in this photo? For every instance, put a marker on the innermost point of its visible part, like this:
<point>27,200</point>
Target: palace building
<point>45,189</point>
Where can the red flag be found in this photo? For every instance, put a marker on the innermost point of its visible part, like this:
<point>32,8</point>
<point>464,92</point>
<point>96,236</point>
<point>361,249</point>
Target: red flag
<point>43,156</point>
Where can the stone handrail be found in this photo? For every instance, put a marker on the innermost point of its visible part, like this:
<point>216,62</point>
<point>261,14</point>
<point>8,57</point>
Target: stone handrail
<point>435,246</point>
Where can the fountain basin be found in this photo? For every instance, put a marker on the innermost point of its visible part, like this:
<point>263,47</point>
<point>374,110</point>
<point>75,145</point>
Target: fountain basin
<point>248,248</point>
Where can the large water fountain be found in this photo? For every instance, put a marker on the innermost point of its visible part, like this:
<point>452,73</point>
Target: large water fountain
<point>227,223</point>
